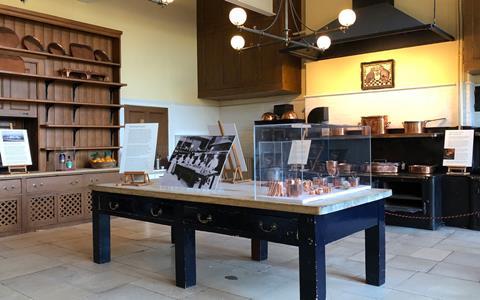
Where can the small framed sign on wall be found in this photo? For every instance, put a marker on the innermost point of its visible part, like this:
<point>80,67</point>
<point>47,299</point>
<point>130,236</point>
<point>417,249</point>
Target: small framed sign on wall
<point>377,75</point>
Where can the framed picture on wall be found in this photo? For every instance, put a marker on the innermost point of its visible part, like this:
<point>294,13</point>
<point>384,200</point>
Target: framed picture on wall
<point>377,75</point>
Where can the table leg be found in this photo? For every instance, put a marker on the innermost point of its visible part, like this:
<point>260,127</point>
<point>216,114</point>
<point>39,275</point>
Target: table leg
<point>101,237</point>
<point>185,265</point>
<point>312,259</point>
<point>172,237</point>
<point>375,251</point>
<point>259,249</point>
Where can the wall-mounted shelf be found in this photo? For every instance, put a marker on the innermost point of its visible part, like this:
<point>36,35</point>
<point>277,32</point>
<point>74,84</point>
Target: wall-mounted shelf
<point>66,103</point>
<point>80,148</point>
<point>73,126</point>
<point>51,79</point>
<point>56,56</point>
<point>403,135</point>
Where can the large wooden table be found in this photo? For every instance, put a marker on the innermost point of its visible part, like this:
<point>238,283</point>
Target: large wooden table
<point>232,210</point>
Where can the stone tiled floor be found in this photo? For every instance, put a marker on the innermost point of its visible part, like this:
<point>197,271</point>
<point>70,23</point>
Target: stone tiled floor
<point>56,264</point>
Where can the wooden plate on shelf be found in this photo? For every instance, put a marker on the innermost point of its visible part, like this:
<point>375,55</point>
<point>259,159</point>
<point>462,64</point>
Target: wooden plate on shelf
<point>82,51</point>
<point>12,63</point>
<point>56,48</point>
<point>31,43</point>
<point>101,55</point>
<point>8,38</point>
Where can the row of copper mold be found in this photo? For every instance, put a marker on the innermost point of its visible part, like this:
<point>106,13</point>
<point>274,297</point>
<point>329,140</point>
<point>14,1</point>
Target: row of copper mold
<point>9,38</point>
<point>317,186</point>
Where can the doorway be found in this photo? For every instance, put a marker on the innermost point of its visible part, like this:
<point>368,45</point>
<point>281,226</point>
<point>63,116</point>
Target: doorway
<point>148,114</point>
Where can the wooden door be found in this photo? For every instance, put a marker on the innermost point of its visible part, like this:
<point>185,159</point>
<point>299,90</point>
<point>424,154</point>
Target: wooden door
<point>145,114</point>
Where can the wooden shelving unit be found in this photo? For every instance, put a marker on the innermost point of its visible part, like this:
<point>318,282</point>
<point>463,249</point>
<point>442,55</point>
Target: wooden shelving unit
<point>62,113</point>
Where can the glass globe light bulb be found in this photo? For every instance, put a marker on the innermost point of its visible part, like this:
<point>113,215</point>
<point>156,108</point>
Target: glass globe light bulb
<point>347,17</point>
<point>324,42</point>
<point>238,16</point>
<point>237,42</point>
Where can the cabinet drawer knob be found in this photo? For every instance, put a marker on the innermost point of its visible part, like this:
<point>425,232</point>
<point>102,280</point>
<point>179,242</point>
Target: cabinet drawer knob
<point>269,229</point>
<point>156,214</point>
<point>34,185</point>
<point>5,188</point>
<point>113,206</point>
<point>12,187</point>
<point>41,183</point>
<point>204,220</point>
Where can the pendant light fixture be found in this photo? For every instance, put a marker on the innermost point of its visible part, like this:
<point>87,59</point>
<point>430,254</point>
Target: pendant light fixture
<point>238,17</point>
<point>162,3</point>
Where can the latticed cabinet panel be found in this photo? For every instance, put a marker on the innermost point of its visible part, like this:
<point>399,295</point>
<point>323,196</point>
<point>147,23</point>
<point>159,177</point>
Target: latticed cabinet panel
<point>10,219</point>
<point>70,206</point>
<point>41,210</point>
<point>88,204</point>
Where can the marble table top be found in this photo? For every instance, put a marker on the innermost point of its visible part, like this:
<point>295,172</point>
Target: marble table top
<point>242,195</point>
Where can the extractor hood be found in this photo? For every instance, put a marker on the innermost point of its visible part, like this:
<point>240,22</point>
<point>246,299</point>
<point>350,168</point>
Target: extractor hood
<point>379,26</point>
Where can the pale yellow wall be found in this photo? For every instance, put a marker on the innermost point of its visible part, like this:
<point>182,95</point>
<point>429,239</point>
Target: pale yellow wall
<point>424,66</point>
<point>159,56</point>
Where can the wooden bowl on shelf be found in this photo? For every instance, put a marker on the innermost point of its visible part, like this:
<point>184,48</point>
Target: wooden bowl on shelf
<point>103,165</point>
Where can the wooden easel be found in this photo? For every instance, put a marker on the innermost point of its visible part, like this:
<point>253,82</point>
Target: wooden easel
<point>136,178</point>
<point>235,169</point>
<point>457,171</point>
<point>20,169</point>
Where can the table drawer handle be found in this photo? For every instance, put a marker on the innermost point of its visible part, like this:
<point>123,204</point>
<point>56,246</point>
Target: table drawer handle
<point>272,227</point>
<point>114,206</point>
<point>205,220</point>
<point>156,214</point>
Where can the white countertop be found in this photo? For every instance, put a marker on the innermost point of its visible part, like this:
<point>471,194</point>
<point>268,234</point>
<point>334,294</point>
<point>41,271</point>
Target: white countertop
<point>242,195</point>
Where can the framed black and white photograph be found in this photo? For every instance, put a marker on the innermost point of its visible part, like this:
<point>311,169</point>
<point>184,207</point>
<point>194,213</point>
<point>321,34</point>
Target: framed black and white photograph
<point>197,162</point>
<point>378,75</point>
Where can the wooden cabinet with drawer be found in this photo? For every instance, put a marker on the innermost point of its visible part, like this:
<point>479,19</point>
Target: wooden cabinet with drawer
<point>10,187</point>
<point>54,183</point>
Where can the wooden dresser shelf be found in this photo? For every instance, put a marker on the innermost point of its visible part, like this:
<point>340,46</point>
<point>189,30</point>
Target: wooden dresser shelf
<point>66,103</point>
<point>50,79</point>
<point>81,126</point>
<point>56,56</point>
<point>80,148</point>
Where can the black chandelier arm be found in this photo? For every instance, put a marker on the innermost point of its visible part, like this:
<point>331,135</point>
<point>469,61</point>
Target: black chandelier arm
<point>276,37</point>
<point>276,17</point>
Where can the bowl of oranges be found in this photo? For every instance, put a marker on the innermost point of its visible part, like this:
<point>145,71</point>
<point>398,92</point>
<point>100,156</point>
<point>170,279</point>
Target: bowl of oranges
<point>101,162</point>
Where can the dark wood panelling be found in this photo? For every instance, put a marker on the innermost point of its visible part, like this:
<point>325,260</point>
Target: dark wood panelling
<point>471,36</point>
<point>224,73</point>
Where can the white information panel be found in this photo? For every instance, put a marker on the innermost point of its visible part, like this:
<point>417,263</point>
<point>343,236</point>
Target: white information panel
<point>14,147</point>
<point>140,147</point>
<point>458,151</point>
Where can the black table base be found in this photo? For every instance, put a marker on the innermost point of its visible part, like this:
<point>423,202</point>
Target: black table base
<point>310,233</point>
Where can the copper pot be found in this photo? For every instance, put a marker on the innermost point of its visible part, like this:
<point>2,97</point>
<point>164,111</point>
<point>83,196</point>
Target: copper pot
<point>421,169</point>
<point>337,131</point>
<point>344,168</point>
<point>415,127</point>
<point>269,116</point>
<point>377,124</point>
<point>382,167</point>
<point>289,115</point>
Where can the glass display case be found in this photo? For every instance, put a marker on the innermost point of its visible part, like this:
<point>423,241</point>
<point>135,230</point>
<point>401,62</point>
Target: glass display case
<point>309,162</point>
